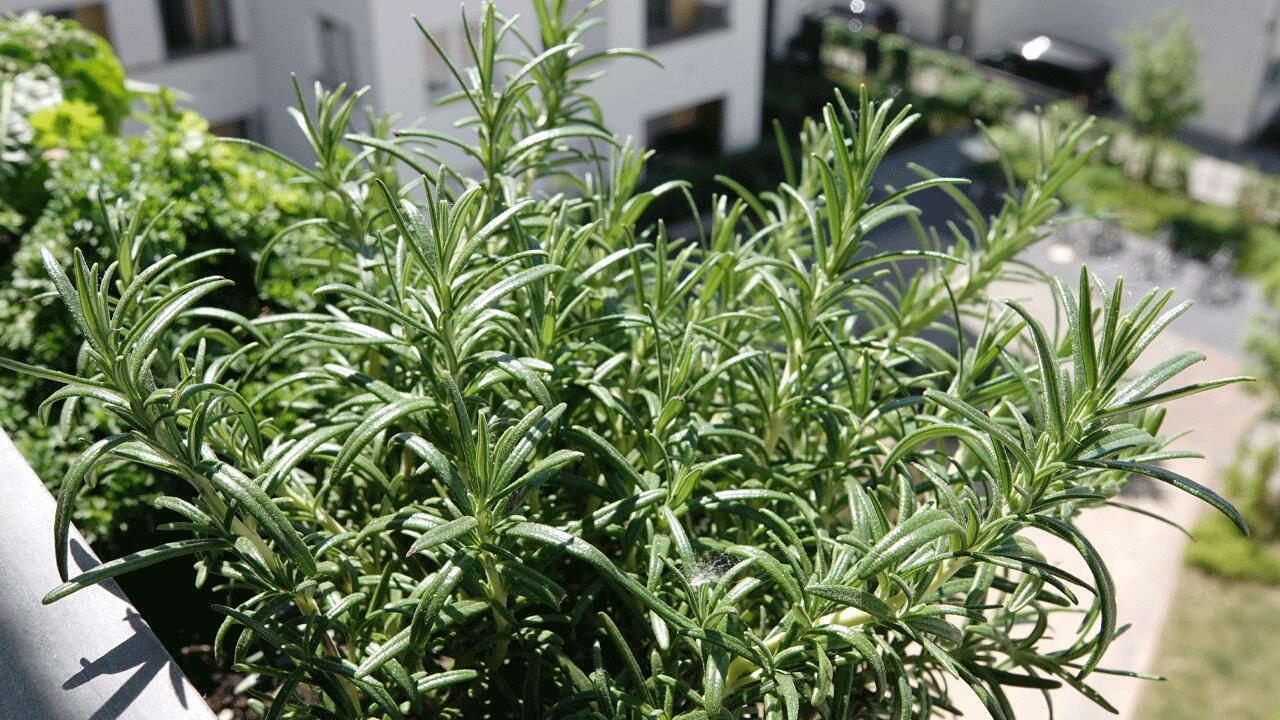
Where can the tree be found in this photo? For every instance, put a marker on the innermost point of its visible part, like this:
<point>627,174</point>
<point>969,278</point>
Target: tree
<point>1158,84</point>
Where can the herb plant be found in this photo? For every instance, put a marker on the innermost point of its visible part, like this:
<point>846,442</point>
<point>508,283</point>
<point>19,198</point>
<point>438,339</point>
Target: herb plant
<point>217,198</point>
<point>531,459</point>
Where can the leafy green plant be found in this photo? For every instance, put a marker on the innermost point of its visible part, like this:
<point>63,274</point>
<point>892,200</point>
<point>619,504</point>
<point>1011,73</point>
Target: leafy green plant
<point>60,86</point>
<point>1159,85</point>
<point>1106,186</point>
<point>83,62</point>
<point>221,204</point>
<point>534,459</point>
<point>70,124</point>
<point>1250,483</point>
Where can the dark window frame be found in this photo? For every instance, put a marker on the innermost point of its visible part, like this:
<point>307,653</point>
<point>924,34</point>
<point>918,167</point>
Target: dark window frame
<point>182,39</point>
<point>71,12</point>
<point>660,27</point>
<point>702,138</point>
<point>329,74</point>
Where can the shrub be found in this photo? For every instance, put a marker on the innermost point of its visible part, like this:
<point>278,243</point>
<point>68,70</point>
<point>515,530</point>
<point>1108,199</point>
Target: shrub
<point>1259,200</point>
<point>963,91</point>
<point>62,86</point>
<point>83,62</point>
<point>535,459</point>
<point>1107,186</point>
<point>219,198</point>
<point>1217,548</point>
<point>1159,84</point>
<point>1220,549</point>
<point>71,124</point>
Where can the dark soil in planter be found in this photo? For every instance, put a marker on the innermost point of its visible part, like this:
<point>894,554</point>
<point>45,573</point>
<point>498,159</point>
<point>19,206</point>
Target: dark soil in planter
<point>198,661</point>
<point>180,615</point>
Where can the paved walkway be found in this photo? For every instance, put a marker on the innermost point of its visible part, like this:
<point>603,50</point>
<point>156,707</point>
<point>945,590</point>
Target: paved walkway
<point>1145,556</point>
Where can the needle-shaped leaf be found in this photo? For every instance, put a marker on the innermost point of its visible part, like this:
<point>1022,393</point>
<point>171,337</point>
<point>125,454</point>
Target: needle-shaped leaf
<point>503,288</point>
<point>1144,384</point>
<point>905,538</point>
<point>1181,482</point>
<point>854,598</point>
<point>983,422</point>
<point>131,562</point>
<point>69,490</point>
<point>250,497</point>
<point>581,549</point>
<point>443,534</point>
<point>1054,407</point>
<point>375,422</point>
<point>1104,587</point>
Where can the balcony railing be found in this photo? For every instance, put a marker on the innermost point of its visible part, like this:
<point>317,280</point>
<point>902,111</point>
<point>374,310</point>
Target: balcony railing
<point>670,20</point>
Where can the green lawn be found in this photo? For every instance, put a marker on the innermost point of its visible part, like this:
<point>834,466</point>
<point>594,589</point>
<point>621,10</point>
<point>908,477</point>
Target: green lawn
<point>1220,651</point>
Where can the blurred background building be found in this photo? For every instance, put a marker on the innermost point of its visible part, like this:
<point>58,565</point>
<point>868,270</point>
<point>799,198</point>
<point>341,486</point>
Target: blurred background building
<point>234,57</point>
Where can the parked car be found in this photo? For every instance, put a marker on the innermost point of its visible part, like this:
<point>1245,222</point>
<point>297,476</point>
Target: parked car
<point>1070,68</point>
<point>870,15</point>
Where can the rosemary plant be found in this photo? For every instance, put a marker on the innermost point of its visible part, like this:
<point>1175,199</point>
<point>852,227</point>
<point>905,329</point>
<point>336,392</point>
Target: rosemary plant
<point>530,458</point>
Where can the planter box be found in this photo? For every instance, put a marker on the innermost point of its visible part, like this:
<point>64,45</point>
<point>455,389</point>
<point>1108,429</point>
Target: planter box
<point>89,655</point>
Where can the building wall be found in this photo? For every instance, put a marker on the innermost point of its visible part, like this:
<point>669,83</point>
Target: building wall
<point>1236,36</point>
<point>401,55</point>
<point>726,63</point>
<point>1269,97</point>
<point>294,49</point>
<point>390,54</point>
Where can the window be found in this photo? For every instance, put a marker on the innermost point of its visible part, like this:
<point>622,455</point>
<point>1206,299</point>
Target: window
<point>196,26</point>
<point>673,19</point>
<point>688,134</point>
<point>337,54</point>
<point>92,16</point>
<point>247,127</point>
<point>1273,74</point>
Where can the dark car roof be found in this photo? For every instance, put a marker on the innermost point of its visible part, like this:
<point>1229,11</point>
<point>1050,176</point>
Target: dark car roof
<point>844,9</point>
<point>1062,52</point>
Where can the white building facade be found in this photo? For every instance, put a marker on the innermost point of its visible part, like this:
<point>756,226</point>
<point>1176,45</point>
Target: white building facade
<point>234,58</point>
<point>1239,41</point>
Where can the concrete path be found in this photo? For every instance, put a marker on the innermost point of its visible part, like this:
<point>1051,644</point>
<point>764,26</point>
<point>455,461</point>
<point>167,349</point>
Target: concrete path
<point>1145,556</point>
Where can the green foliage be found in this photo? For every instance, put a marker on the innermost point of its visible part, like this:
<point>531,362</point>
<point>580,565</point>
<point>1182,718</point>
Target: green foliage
<point>1219,549</point>
<point>84,62</point>
<point>70,124</point>
<point>60,86</point>
<point>217,197</point>
<point>535,458</point>
<point>1108,186</point>
<point>1218,650</point>
<point>1159,86</point>
<point>1251,483</point>
<point>1263,343</point>
<point>1259,199</point>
